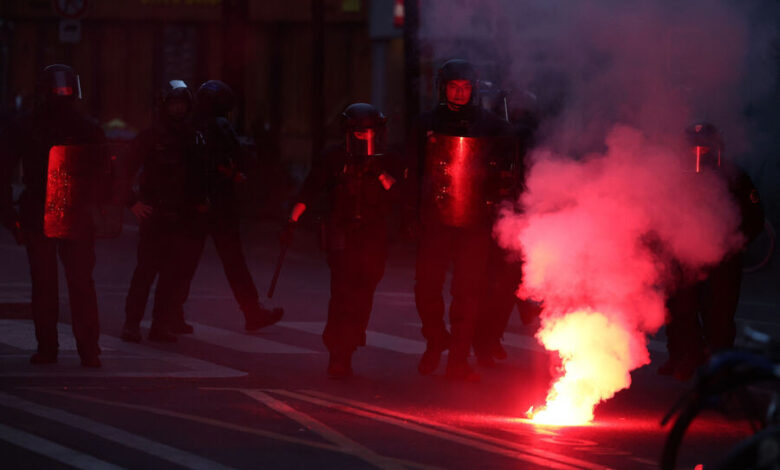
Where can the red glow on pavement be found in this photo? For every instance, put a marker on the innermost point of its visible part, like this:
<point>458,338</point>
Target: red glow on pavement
<point>698,159</point>
<point>698,467</point>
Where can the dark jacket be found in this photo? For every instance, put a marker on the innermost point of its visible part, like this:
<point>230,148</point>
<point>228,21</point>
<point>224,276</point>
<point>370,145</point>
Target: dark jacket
<point>354,193</point>
<point>173,177</point>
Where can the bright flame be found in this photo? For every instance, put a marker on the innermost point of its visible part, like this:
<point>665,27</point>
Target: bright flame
<point>596,355</point>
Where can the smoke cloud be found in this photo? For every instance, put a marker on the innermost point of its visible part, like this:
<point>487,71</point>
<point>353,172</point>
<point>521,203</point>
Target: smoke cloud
<point>612,198</point>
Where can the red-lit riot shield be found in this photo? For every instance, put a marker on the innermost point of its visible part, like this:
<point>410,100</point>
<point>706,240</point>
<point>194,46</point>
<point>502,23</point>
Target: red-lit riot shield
<point>463,177</point>
<point>84,197</point>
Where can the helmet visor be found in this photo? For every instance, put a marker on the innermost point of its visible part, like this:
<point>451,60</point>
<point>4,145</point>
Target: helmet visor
<point>63,84</point>
<point>706,157</point>
<point>366,142</point>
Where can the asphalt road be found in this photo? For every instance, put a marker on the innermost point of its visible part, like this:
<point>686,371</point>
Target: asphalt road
<point>224,399</point>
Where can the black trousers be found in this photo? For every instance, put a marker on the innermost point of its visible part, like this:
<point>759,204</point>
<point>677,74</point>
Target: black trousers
<point>503,277</point>
<point>467,251</point>
<point>78,259</point>
<point>171,255</point>
<point>357,264</point>
<point>701,316</point>
<point>225,231</point>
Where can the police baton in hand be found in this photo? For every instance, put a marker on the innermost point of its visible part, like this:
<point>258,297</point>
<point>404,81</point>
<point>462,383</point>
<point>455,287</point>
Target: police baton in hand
<point>285,240</point>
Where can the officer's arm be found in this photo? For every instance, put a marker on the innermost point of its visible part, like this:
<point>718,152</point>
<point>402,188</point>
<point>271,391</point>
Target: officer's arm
<point>314,184</point>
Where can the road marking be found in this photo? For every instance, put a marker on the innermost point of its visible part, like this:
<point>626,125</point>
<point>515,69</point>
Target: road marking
<point>219,424</point>
<point>373,338</point>
<point>462,436</point>
<point>171,454</point>
<point>54,451</point>
<point>243,342</point>
<point>15,330</point>
<point>20,334</point>
<point>322,429</point>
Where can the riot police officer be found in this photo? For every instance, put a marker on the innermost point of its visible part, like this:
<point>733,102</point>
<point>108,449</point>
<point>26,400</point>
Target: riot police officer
<point>171,207</point>
<point>49,222</point>
<point>361,183</point>
<point>461,151</point>
<point>701,312</point>
<point>225,160</point>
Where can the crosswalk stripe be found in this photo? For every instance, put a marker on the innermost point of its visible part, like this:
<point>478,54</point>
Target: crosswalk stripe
<point>52,450</point>
<point>373,338</point>
<point>243,342</point>
<point>21,334</point>
<point>171,454</point>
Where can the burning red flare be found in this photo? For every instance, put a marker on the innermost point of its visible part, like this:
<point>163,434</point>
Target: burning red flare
<point>595,353</point>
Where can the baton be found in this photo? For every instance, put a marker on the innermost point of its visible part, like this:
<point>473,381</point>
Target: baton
<point>278,270</point>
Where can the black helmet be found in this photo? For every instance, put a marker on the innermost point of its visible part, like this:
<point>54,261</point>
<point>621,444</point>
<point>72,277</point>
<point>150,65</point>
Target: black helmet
<point>58,82</point>
<point>215,98</point>
<point>175,90</point>
<point>456,69</point>
<point>706,140</point>
<point>364,128</point>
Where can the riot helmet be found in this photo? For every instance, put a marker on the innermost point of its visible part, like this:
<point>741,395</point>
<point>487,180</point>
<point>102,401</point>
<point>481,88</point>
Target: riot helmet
<point>176,101</point>
<point>215,99</point>
<point>364,128</point>
<point>58,83</point>
<point>706,143</point>
<point>457,84</point>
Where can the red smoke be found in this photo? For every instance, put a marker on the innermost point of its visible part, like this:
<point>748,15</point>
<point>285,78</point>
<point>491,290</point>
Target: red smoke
<point>596,236</point>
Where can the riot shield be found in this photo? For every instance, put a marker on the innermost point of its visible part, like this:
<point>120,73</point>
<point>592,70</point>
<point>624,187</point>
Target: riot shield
<point>84,193</point>
<point>464,177</point>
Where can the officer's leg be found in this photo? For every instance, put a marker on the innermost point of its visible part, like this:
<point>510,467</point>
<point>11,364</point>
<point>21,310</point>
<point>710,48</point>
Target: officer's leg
<point>683,332</point>
<point>718,318</point>
<point>185,257</point>
<point>42,255</point>
<point>496,305</point>
<point>373,258</point>
<point>146,269</point>
<point>467,287</point>
<point>78,259</point>
<point>227,241</point>
<point>165,296</point>
<point>434,254</point>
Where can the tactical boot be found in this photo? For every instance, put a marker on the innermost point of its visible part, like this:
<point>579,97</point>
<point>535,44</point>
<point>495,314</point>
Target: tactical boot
<point>181,328</point>
<point>43,358</point>
<point>262,317</point>
<point>161,335</point>
<point>340,364</point>
<point>461,371</point>
<point>90,361</point>
<point>131,334</point>
<point>430,359</point>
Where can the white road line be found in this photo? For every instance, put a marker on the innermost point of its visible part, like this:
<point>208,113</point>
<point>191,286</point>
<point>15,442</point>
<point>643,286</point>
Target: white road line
<point>450,433</point>
<point>242,341</point>
<point>322,429</point>
<point>458,431</point>
<point>20,334</point>
<point>171,454</point>
<point>373,338</point>
<point>53,450</point>
<point>14,331</point>
<point>223,424</point>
